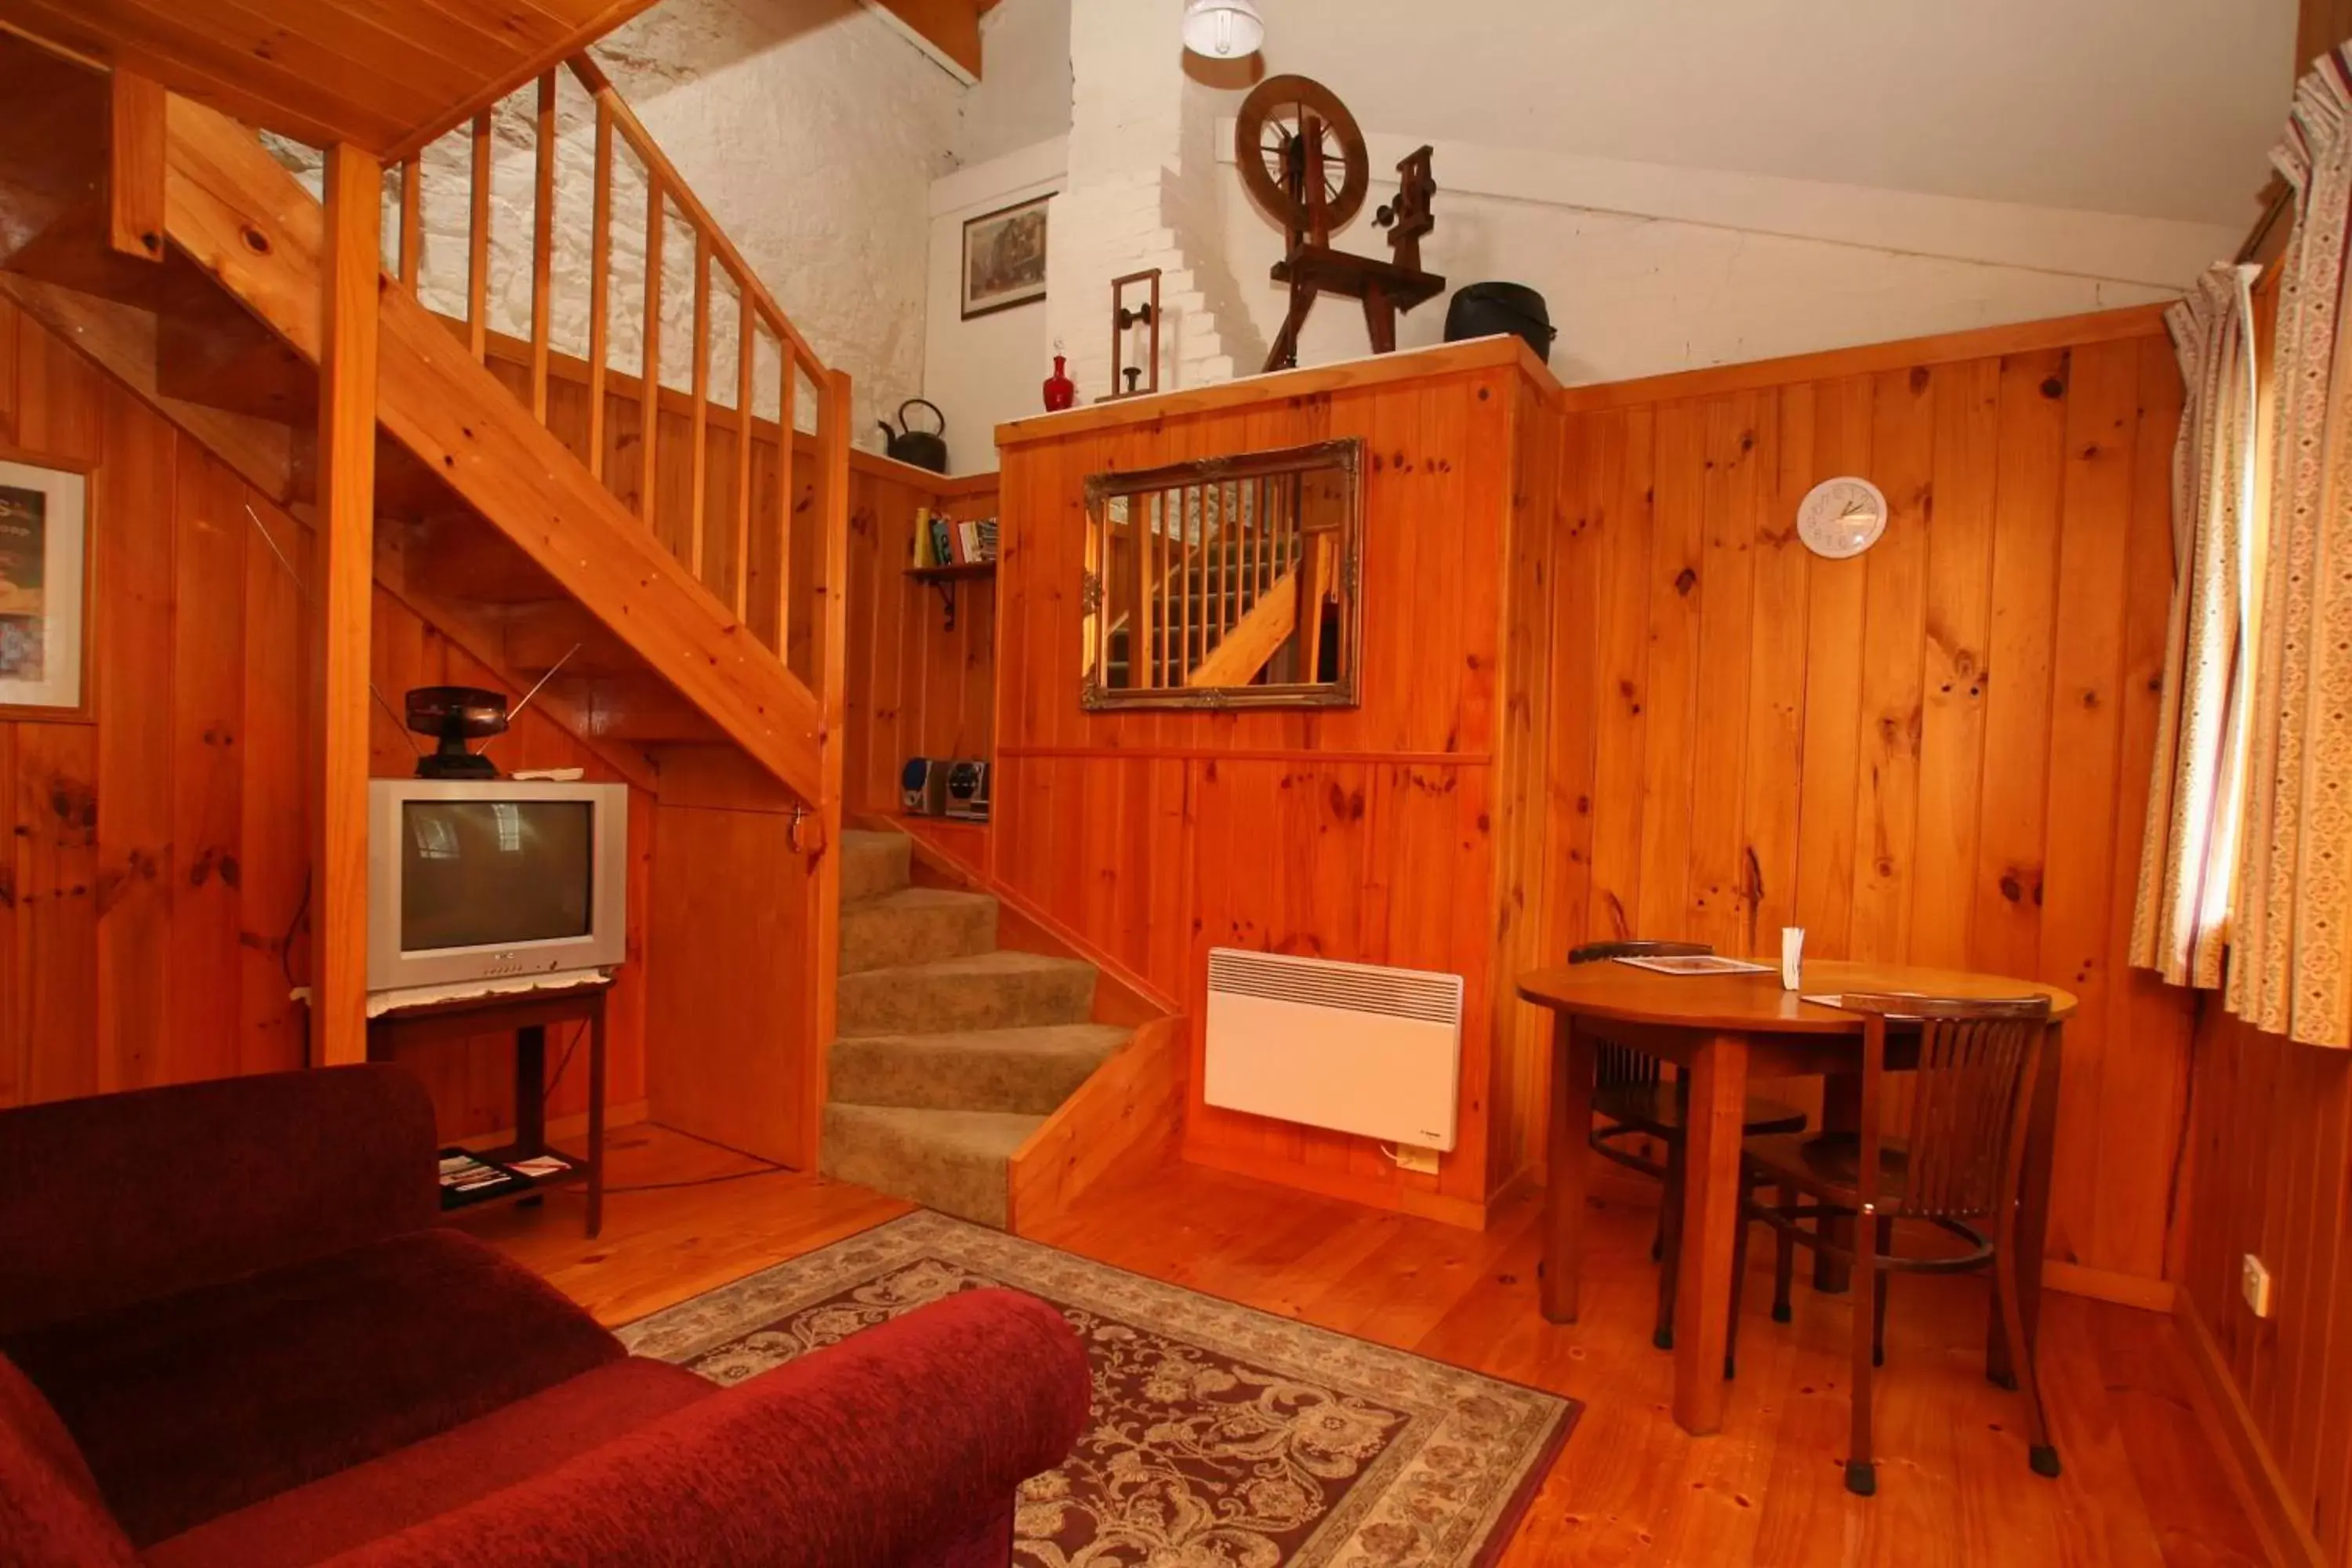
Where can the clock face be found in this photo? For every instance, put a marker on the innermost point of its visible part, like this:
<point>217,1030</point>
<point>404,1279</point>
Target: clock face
<point>1842,517</point>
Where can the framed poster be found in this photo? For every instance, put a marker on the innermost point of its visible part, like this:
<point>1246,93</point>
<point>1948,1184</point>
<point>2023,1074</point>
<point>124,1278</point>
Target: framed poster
<point>44,588</point>
<point>1004,258</point>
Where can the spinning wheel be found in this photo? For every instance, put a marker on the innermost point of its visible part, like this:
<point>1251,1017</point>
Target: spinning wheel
<point>1302,155</point>
<point>1304,162</point>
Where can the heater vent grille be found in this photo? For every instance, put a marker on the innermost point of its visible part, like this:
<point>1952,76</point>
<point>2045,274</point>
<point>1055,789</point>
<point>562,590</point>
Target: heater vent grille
<point>1351,987</point>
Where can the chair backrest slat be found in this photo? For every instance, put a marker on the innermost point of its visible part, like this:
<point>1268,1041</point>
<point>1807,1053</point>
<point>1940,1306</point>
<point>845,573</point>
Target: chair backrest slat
<point>1967,1097</point>
<point>1617,1066</point>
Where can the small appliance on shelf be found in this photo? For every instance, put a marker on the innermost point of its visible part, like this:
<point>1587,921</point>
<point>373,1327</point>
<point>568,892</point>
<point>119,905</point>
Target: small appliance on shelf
<point>968,791</point>
<point>923,787</point>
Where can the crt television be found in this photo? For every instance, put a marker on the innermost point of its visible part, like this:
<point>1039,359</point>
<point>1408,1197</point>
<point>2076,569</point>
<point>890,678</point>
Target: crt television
<point>489,878</point>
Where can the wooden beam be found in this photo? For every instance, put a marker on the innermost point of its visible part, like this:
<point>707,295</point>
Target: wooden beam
<point>349,300</point>
<point>134,188</point>
<point>948,30</point>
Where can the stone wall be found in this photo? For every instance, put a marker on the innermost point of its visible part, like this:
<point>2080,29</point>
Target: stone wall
<point>811,132</point>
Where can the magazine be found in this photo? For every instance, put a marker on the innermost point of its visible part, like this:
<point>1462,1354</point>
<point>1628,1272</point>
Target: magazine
<point>1696,963</point>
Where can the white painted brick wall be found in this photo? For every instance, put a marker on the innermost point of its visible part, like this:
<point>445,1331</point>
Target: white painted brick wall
<point>772,112</point>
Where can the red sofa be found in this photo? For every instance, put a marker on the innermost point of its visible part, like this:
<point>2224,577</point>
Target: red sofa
<point>235,1331</point>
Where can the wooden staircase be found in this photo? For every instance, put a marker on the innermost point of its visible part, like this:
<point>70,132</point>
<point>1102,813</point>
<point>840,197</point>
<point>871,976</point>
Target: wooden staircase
<point>669,549</point>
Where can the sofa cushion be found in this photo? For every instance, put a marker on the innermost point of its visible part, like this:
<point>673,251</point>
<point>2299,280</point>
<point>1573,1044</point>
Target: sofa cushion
<point>51,1515</point>
<point>190,1407</point>
<point>350,1507</point>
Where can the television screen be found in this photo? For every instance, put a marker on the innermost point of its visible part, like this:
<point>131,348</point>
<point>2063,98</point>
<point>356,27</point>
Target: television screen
<point>479,873</point>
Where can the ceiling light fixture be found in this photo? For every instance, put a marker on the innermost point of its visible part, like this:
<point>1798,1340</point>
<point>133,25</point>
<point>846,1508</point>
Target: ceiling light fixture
<point>1223,29</point>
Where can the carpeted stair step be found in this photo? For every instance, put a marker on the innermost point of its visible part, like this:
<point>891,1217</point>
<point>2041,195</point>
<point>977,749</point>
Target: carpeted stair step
<point>982,991</point>
<point>914,925</point>
<point>872,864</point>
<point>1030,1072</point>
<point>952,1161</point>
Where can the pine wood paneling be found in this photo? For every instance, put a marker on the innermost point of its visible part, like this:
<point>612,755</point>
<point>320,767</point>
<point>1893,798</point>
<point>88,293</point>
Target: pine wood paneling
<point>1938,752</point>
<point>1609,694</point>
<point>1364,835</point>
<point>157,865</point>
<point>918,687</point>
<point>154,859</point>
<point>385,75</point>
<point>2270,1156</point>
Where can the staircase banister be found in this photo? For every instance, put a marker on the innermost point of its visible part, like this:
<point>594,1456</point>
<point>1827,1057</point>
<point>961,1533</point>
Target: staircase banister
<point>664,174</point>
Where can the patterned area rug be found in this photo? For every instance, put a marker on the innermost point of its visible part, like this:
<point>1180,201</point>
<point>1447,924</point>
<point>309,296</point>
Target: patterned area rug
<point>1223,1437</point>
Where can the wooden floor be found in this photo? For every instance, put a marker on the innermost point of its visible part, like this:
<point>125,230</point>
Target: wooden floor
<point>2141,1483</point>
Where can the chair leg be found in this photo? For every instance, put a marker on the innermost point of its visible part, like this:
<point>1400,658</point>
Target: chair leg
<point>2040,1451</point>
<point>1658,1234</point>
<point>1784,1261</point>
<point>1878,1302</point>
<point>1861,1473</point>
<point>1738,1278</point>
<point>1671,1254</point>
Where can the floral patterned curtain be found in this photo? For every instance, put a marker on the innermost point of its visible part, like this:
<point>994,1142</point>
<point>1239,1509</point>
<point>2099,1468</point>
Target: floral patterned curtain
<point>2196,799</point>
<point>2292,944</point>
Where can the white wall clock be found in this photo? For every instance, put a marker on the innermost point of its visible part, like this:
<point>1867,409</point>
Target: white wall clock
<point>1842,517</point>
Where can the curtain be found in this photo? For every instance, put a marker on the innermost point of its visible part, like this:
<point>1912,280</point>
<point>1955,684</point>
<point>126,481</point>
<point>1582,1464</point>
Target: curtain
<point>2196,797</point>
<point>2293,924</point>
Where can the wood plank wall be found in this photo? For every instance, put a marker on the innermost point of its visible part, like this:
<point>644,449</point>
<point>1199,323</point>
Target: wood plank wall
<point>1936,752</point>
<point>157,858</point>
<point>917,687</point>
<point>2320,26</point>
<point>2271,1162</point>
<point>1359,835</point>
<point>155,862</point>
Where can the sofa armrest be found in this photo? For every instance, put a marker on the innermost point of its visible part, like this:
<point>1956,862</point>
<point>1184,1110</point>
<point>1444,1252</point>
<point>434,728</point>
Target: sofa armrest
<point>126,1197</point>
<point>888,1448</point>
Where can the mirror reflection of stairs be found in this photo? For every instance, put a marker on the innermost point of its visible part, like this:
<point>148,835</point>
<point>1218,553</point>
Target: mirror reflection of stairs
<point>1226,571</point>
<point>951,1051</point>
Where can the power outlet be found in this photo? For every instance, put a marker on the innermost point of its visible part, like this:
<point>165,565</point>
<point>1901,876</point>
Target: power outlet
<point>2254,1284</point>
<point>1414,1157</point>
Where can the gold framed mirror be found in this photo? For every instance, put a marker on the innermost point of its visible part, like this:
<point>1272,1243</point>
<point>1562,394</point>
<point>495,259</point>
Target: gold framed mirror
<point>1226,583</point>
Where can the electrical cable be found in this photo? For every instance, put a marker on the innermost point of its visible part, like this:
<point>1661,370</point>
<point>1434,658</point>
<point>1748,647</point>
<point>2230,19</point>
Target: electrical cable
<point>286,943</point>
<point>549,1092</point>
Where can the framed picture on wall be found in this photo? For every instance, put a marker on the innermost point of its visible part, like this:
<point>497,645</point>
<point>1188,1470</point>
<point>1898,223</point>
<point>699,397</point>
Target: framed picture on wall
<point>1004,258</point>
<point>44,588</point>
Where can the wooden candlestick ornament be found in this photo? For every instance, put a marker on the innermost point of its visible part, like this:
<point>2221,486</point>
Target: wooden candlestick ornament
<point>1130,380</point>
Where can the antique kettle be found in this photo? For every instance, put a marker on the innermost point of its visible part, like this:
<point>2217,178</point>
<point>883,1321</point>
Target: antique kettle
<point>923,448</point>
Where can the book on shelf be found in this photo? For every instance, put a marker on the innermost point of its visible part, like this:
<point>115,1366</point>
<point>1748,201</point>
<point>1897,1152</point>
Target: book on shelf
<point>942,542</point>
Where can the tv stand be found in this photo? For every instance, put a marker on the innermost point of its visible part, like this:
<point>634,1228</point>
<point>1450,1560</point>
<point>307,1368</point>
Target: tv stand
<point>527,1014</point>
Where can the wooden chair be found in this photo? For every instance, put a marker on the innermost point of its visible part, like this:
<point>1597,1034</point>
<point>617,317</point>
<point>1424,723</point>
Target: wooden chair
<point>1959,1167</point>
<point>1629,1091</point>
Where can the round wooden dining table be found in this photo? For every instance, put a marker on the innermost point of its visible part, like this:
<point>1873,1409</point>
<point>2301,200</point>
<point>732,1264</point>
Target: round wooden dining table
<point>1720,1031</point>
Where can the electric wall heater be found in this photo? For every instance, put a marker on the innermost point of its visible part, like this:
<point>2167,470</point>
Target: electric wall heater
<point>1348,1046</point>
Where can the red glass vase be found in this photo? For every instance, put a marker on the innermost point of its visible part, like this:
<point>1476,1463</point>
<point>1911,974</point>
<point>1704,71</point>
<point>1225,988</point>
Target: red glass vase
<point>1061,392</point>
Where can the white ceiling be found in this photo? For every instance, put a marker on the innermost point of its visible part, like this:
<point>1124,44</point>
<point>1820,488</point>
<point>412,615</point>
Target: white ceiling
<point>2159,108</point>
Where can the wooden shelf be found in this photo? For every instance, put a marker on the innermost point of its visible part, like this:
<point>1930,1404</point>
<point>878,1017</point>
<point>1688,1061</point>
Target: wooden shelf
<point>454,1202</point>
